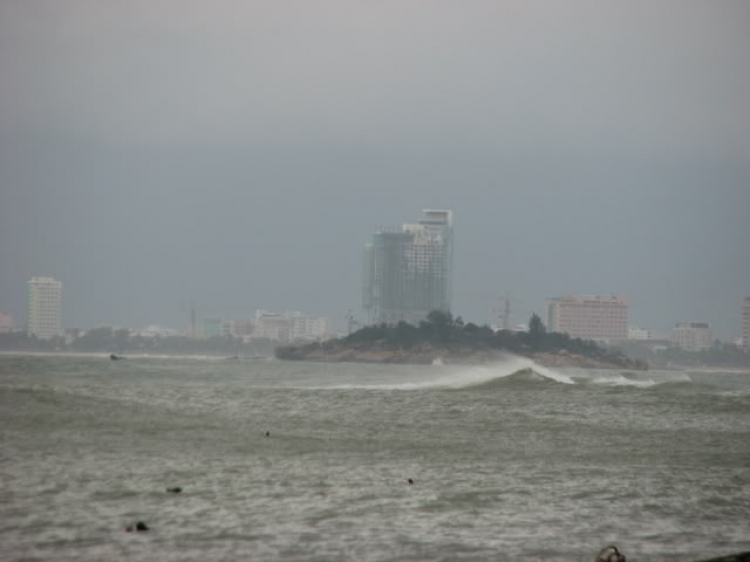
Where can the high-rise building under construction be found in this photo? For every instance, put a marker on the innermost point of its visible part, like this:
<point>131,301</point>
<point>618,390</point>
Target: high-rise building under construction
<point>408,273</point>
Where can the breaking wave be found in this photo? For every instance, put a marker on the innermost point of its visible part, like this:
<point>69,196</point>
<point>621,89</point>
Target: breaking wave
<point>510,370</point>
<point>514,370</point>
<point>468,377</point>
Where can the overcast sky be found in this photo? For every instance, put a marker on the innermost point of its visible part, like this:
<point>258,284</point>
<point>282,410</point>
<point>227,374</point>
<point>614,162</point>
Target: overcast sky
<point>239,154</point>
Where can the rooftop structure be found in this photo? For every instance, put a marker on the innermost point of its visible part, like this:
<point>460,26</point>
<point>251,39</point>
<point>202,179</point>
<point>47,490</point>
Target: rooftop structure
<point>601,318</point>
<point>408,273</point>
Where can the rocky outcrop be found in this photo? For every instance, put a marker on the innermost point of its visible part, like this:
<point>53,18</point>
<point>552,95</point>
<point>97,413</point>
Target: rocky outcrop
<point>333,352</point>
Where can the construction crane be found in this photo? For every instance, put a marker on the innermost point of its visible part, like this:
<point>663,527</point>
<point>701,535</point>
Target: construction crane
<point>504,313</point>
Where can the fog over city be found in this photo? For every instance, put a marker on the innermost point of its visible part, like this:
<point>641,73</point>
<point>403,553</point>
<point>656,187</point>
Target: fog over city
<point>238,155</point>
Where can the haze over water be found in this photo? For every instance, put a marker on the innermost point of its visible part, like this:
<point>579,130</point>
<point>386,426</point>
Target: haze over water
<point>238,155</point>
<point>528,466</point>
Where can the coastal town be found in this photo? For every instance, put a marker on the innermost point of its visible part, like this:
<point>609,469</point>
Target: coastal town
<point>408,275</point>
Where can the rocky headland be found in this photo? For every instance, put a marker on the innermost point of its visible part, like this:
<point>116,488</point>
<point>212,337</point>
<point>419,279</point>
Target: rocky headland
<point>426,355</point>
<point>442,340</point>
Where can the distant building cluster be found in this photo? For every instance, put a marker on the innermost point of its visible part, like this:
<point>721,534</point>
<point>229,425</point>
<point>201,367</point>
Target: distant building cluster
<point>154,331</point>
<point>605,319</point>
<point>599,318</point>
<point>45,321</point>
<point>286,327</point>
<point>408,273</point>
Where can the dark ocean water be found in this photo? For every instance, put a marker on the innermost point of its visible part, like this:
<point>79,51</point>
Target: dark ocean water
<point>552,465</point>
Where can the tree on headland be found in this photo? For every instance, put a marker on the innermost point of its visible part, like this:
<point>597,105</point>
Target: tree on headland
<point>439,325</point>
<point>536,327</point>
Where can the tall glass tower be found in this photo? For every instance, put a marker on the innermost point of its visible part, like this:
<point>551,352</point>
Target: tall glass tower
<point>408,273</point>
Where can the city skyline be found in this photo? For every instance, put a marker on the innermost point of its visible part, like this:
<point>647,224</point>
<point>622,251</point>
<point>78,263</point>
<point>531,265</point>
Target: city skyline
<point>240,155</point>
<point>602,318</point>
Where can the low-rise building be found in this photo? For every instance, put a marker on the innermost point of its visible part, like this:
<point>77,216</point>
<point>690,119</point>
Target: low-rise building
<point>213,328</point>
<point>238,328</point>
<point>289,326</point>
<point>636,333</point>
<point>693,336</point>
<point>601,318</point>
<point>154,331</point>
<point>272,326</point>
<point>310,328</point>
<point>6,323</point>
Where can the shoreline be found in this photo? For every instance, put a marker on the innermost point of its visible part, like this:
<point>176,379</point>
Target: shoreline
<point>106,354</point>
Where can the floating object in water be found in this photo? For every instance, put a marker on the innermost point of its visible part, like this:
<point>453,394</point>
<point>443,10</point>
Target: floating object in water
<point>268,434</point>
<point>138,527</point>
<point>174,490</point>
<point>114,357</point>
<point>610,554</point>
<point>411,481</point>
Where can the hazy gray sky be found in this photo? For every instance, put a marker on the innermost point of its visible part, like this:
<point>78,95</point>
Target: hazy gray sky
<point>239,154</point>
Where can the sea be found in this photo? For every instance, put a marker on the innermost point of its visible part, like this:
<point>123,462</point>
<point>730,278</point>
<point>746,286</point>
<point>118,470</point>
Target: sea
<point>296,461</point>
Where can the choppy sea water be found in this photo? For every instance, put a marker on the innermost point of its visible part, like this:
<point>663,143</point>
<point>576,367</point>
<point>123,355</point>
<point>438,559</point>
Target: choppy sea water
<point>547,466</point>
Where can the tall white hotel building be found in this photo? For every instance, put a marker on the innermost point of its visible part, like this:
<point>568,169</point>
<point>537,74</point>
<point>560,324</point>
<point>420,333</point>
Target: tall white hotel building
<point>45,307</point>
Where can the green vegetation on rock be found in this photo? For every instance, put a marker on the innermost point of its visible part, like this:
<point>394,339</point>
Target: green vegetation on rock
<point>442,335</point>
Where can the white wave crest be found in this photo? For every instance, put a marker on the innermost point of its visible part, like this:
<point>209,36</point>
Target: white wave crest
<point>462,376</point>
<point>510,365</point>
<point>617,379</point>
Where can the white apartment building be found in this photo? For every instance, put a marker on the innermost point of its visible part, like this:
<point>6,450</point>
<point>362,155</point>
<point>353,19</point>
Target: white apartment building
<point>272,326</point>
<point>290,326</point>
<point>237,328</point>
<point>309,328</point>
<point>693,336</point>
<point>746,323</point>
<point>45,307</point>
<point>601,318</point>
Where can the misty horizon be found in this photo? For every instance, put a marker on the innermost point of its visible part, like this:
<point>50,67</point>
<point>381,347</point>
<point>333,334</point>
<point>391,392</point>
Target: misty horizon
<point>156,155</point>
